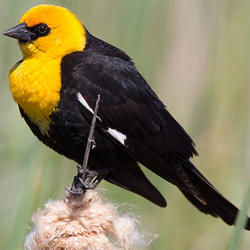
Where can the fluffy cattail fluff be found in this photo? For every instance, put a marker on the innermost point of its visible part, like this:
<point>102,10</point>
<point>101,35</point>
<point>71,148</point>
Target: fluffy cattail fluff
<point>84,222</point>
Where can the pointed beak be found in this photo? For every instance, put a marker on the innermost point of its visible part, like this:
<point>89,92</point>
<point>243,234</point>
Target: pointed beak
<point>19,32</point>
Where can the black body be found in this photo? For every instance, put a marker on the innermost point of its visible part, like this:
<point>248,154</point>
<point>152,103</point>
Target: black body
<point>129,106</point>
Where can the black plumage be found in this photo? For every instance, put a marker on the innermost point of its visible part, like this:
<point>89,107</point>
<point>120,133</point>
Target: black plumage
<point>129,106</point>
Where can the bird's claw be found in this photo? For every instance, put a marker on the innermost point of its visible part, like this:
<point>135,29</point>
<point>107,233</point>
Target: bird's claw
<point>85,179</point>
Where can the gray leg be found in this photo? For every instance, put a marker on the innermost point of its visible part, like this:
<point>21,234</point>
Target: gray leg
<point>87,179</point>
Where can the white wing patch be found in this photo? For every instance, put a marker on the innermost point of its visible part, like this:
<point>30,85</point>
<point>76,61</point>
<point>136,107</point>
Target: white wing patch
<point>117,135</point>
<point>114,133</point>
<point>84,103</point>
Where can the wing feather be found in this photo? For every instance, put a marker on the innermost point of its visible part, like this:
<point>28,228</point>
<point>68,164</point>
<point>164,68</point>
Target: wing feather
<point>129,106</point>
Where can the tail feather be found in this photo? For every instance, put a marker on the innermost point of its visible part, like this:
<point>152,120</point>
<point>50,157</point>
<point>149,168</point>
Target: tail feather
<point>216,205</point>
<point>131,177</point>
<point>195,187</point>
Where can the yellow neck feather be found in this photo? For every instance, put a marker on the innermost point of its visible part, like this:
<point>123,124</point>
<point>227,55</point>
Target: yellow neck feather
<point>36,82</point>
<point>35,85</point>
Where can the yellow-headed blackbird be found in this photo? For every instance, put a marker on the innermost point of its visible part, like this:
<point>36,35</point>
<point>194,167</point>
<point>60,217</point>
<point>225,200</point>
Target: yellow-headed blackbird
<point>63,70</point>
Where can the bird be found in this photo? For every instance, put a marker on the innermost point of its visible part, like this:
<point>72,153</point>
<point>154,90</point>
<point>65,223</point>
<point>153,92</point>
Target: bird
<point>63,71</point>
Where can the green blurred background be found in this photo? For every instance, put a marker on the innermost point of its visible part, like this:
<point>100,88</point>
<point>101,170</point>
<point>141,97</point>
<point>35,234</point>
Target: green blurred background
<point>196,56</point>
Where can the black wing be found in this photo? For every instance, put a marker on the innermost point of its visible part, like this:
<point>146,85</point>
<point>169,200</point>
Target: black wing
<point>129,106</point>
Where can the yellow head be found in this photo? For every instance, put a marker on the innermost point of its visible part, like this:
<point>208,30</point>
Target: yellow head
<point>46,34</point>
<point>49,30</point>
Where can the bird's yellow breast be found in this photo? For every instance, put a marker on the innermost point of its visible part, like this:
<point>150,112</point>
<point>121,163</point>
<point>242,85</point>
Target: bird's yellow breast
<point>35,85</point>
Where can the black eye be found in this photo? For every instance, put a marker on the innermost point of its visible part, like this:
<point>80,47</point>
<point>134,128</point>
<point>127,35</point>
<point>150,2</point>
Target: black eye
<point>42,29</point>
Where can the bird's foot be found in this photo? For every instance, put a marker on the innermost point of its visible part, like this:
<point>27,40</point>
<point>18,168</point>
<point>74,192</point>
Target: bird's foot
<point>85,179</point>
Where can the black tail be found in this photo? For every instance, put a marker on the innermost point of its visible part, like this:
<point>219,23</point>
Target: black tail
<point>195,187</point>
<point>131,177</point>
<point>215,204</point>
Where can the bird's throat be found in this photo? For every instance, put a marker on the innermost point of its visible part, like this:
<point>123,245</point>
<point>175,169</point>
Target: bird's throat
<point>35,84</point>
